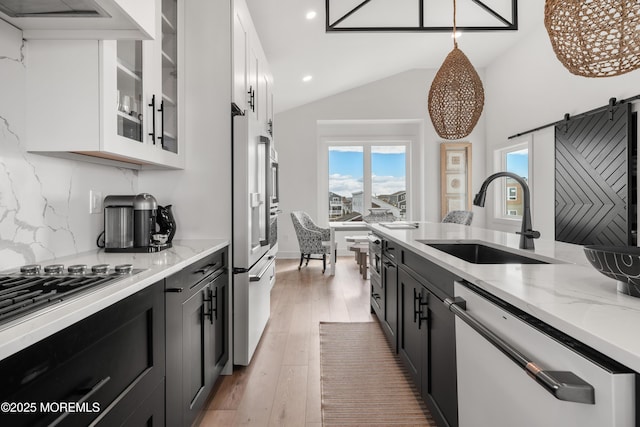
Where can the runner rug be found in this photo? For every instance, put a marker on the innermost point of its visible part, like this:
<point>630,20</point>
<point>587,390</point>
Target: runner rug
<point>363,382</point>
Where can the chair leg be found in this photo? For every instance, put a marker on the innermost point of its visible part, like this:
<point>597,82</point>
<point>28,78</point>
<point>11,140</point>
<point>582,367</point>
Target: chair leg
<point>324,262</point>
<point>308,257</point>
<point>301,259</point>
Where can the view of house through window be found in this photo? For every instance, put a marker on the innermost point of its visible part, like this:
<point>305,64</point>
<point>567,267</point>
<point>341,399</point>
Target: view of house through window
<point>516,161</point>
<point>365,177</point>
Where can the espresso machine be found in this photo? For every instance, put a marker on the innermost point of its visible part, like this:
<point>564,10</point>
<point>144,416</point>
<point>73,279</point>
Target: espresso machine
<point>130,224</point>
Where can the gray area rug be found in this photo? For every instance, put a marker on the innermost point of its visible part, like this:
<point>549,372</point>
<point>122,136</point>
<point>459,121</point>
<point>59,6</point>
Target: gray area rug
<point>363,382</point>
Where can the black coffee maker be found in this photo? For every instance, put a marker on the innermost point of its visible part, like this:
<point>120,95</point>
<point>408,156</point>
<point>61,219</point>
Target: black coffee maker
<point>130,224</point>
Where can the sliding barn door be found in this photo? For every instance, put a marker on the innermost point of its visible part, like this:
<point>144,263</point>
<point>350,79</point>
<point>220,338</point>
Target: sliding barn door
<point>593,179</point>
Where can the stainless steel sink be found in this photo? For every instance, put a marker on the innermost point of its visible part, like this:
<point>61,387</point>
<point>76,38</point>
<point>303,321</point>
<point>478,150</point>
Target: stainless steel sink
<point>478,253</point>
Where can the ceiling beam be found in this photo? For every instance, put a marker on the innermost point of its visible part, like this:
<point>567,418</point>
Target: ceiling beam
<point>508,24</point>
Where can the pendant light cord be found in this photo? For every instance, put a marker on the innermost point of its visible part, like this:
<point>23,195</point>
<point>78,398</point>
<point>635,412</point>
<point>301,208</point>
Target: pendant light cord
<point>455,39</point>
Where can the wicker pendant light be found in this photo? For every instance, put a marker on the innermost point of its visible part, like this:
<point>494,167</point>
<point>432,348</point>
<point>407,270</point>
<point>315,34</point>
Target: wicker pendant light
<point>595,38</point>
<point>456,97</point>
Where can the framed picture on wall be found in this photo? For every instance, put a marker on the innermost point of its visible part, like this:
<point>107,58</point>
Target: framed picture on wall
<point>455,176</point>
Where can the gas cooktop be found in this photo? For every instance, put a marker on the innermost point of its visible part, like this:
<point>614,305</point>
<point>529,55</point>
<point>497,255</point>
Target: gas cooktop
<point>34,287</point>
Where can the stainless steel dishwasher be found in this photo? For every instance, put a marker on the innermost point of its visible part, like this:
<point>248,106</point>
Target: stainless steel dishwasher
<point>515,370</point>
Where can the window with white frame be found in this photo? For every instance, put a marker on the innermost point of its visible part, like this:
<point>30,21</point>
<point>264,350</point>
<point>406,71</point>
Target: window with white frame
<point>514,158</point>
<point>368,175</point>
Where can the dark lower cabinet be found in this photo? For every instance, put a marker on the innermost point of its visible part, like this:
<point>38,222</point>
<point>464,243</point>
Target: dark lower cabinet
<point>426,336</point>
<point>413,338</point>
<point>197,340</point>
<point>442,391</point>
<point>108,369</point>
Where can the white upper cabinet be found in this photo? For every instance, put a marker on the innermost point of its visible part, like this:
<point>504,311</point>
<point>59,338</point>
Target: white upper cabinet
<point>240,58</point>
<point>114,102</point>
<point>82,19</point>
<point>252,79</point>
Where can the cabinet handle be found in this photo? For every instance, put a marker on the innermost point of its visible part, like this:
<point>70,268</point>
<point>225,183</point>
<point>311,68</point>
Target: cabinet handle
<point>209,268</point>
<point>252,95</point>
<point>84,398</point>
<point>161,111</point>
<point>175,290</point>
<point>152,134</point>
<point>423,315</point>
<point>213,305</point>
<point>418,304</point>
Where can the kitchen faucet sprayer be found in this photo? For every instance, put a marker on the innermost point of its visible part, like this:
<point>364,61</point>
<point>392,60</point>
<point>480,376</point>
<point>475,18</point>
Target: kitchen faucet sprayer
<point>527,234</point>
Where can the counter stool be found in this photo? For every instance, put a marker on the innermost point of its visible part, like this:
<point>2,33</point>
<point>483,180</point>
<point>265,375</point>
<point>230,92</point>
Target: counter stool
<point>356,239</point>
<point>361,250</point>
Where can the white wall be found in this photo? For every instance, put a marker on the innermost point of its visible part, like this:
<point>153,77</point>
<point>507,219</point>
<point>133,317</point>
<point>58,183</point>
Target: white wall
<point>399,97</point>
<point>44,201</point>
<point>201,193</point>
<point>528,87</point>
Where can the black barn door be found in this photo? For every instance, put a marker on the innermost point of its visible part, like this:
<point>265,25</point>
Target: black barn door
<point>593,179</point>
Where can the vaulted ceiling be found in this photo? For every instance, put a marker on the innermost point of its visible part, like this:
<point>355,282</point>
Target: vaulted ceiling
<point>337,61</point>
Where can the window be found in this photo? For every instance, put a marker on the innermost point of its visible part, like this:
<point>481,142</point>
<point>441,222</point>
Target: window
<point>367,176</point>
<point>514,158</point>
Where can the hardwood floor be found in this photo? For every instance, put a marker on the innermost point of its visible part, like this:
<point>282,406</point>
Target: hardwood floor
<point>281,387</point>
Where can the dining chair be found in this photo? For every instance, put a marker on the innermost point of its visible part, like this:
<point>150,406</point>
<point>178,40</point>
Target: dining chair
<point>312,239</point>
<point>459,217</point>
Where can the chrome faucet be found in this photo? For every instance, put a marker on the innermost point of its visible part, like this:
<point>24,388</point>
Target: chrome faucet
<point>526,233</point>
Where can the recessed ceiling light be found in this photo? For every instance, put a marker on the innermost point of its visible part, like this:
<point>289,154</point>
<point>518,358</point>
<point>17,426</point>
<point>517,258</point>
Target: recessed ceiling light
<point>307,78</point>
<point>311,14</point>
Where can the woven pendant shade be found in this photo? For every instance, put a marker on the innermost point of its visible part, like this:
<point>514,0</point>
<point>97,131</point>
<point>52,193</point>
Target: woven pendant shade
<point>456,97</point>
<point>595,38</point>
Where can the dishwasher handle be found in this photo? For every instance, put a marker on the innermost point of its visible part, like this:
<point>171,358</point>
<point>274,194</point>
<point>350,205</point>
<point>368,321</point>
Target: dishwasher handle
<point>563,385</point>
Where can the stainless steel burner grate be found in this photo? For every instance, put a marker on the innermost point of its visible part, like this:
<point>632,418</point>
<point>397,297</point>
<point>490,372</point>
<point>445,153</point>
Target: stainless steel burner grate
<point>24,293</point>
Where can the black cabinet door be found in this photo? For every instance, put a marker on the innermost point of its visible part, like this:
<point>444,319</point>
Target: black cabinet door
<point>197,344</point>
<point>413,332</point>
<point>220,340</point>
<point>390,290</point>
<point>196,333</point>
<point>440,392</point>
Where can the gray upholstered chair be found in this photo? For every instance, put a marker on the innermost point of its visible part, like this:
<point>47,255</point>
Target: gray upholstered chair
<point>310,238</point>
<point>459,217</point>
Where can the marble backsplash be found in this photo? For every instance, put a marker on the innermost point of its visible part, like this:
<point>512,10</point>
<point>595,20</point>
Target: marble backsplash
<point>44,201</point>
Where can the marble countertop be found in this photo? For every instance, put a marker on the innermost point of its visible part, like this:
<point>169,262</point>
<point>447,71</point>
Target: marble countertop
<point>21,333</point>
<point>568,294</point>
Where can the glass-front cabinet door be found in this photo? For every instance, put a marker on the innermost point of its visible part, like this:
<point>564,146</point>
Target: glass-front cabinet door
<point>169,102</point>
<point>130,96</point>
<point>141,93</point>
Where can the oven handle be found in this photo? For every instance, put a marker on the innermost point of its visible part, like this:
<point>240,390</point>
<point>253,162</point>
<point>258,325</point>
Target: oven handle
<point>564,385</point>
<point>258,277</point>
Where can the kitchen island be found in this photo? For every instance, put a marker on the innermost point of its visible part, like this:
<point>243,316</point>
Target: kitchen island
<point>568,293</point>
<point>468,326</point>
